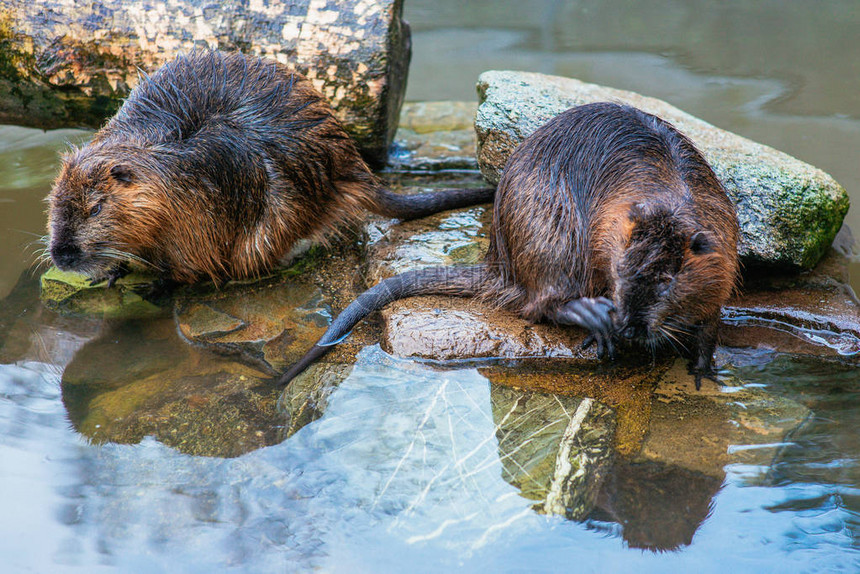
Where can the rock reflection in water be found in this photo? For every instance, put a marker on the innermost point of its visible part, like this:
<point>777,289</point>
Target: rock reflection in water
<point>137,379</point>
<point>555,449</point>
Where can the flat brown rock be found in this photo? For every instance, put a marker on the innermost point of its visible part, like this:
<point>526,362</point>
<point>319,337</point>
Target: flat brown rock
<point>443,328</point>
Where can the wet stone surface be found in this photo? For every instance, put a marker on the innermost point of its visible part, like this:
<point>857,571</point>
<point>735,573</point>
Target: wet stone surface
<point>448,328</point>
<point>456,237</point>
<point>436,136</point>
<point>814,313</point>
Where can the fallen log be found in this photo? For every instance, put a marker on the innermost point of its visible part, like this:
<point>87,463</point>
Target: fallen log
<point>65,63</point>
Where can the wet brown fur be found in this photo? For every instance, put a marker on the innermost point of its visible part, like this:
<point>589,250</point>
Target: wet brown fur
<point>213,168</point>
<point>606,200</point>
<point>603,201</point>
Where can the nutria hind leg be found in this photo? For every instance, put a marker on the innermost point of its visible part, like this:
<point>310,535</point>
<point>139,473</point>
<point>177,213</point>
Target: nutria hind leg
<point>593,314</point>
<point>702,363</point>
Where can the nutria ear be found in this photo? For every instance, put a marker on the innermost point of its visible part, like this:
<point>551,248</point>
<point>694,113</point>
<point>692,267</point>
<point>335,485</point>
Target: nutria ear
<point>122,173</point>
<point>638,212</point>
<point>701,243</point>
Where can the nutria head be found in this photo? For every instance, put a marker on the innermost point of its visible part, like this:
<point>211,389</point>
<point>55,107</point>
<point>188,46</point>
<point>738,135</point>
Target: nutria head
<point>103,210</point>
<point>672,275</point>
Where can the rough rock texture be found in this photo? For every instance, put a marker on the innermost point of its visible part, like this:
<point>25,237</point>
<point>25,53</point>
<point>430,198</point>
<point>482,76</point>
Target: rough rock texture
<point>444,329</point>
<point>789,211</point>
<point>555,449</point>
<point>67,63</point>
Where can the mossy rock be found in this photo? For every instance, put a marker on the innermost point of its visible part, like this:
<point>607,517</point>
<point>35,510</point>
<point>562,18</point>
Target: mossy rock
<point>73,293</point>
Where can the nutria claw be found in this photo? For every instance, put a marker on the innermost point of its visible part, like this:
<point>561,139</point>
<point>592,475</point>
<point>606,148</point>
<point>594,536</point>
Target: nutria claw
<point>592,314</point>
<point>702,372</point>
<point>111,276</point>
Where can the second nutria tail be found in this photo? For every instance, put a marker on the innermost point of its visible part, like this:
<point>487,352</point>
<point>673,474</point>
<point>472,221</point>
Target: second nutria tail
<point>418,205</point>
<point>455,281</point>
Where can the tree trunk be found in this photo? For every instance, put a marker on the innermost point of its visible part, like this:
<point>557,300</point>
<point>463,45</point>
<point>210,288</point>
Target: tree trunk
<point>67,63</point>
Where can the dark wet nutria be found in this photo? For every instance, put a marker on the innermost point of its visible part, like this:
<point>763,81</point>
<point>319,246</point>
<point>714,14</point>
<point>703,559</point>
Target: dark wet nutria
<point>606,218</point>
<point>213,168</point>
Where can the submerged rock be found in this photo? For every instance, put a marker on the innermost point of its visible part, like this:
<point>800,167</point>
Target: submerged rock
<point>270,324</point>
<point>306,397</point>
<point>554,449</point>
<point>138,380</point>
<point>789,211</point>
<point>663,491</point>
<point>703,431</point>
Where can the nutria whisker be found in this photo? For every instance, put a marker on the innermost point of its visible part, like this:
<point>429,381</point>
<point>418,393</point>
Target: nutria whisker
<point>671,336</point>
<point>124,256</point>
<point>42,258</point>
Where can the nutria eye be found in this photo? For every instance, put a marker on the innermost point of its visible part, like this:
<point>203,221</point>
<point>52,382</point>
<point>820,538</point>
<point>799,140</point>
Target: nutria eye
<point>96,210</point>
<point>701,243</point>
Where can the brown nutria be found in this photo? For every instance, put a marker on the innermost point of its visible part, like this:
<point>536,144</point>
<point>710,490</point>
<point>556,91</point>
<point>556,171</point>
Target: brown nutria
<point>605,210</point>
<point>213,168</point>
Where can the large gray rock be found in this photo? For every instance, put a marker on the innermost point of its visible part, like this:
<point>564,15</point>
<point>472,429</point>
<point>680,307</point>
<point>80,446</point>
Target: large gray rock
<point>789,211</point>
<point>70,63</point>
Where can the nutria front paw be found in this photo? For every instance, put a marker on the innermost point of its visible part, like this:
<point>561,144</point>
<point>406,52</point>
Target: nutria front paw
<point>111,276</point>
<point>593,314</point>
<point>702,371</point>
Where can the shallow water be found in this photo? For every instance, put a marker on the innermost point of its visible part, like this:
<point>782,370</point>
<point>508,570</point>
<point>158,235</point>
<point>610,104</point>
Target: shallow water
<point>405,466</point>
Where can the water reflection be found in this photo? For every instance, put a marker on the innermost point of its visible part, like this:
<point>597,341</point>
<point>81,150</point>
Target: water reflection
<point>138,379</point>
<point>658,506</point>
<point>408,463</point>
